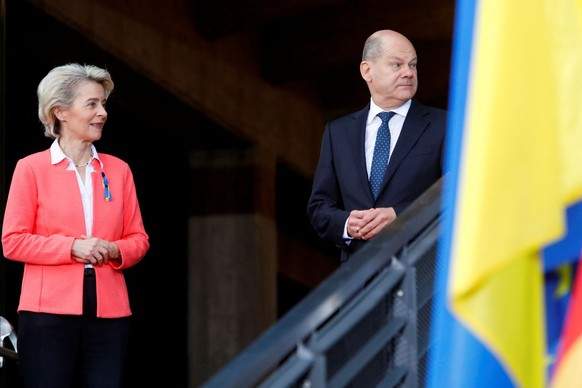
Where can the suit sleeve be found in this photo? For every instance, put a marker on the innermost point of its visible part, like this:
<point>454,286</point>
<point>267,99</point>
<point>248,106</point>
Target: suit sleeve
<point>324,209</point>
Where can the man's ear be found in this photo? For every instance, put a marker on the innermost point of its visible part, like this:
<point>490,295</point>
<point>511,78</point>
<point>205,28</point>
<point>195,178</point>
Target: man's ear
<point>365,69</point>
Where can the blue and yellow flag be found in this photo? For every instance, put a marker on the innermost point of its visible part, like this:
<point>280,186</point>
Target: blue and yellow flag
<point>514,162</point>
<point>567,371</point>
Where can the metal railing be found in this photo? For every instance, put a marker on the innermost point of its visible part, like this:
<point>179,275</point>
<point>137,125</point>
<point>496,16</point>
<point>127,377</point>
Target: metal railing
<point>7,332</point>
<point>366,325</point>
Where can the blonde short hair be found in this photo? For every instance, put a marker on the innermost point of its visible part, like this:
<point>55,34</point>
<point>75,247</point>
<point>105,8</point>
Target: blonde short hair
<point>59,89</point>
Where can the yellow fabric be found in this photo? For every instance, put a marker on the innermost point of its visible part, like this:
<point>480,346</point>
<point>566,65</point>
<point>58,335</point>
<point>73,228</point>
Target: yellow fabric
<point>564,273</point>
<point>521,164</point>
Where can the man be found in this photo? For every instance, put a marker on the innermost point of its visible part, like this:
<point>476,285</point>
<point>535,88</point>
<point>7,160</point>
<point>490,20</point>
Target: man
<point>342,208</point>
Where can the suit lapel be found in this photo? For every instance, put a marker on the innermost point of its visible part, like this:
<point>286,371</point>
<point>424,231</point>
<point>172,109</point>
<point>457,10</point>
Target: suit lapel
<point>414,125</point>
<point>355,134</point>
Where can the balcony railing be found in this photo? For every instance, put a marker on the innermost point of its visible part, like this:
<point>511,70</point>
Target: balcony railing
<point>366,325</point>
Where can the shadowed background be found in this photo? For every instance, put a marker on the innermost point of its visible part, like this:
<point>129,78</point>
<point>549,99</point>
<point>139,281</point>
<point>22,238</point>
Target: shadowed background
<point>219,109</point>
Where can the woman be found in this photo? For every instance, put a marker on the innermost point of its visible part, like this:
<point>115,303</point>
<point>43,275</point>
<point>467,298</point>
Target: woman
<point>73,218</point>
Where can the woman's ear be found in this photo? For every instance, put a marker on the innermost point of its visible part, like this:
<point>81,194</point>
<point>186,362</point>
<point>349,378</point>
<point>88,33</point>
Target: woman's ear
<point>60,113</point>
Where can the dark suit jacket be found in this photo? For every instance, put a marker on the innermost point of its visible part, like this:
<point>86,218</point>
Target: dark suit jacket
<point>341,181</point>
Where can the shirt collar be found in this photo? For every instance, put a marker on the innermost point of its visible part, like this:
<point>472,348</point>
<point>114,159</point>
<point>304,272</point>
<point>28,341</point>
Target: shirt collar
<point>57,154</point>
<point>402,110</point>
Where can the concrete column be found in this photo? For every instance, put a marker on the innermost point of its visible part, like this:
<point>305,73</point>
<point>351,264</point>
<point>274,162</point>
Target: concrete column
<point>232,255</point>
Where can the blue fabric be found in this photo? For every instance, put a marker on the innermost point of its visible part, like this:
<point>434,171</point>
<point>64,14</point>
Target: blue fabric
<point>381,153</point>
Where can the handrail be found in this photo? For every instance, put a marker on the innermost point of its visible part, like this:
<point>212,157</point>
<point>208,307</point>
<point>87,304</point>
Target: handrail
<point>290,334</point>
<point>4,352</point>
<point>7,331</point>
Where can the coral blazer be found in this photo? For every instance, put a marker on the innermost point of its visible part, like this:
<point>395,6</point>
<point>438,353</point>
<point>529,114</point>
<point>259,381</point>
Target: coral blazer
<point>44,215</point>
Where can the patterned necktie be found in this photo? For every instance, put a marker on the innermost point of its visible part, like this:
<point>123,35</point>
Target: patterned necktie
<point>381,153</point>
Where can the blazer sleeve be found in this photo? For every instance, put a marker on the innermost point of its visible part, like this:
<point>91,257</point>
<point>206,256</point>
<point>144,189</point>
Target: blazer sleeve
<point>119,219</point>
<point>134,242</point>
<point>25,234</point>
